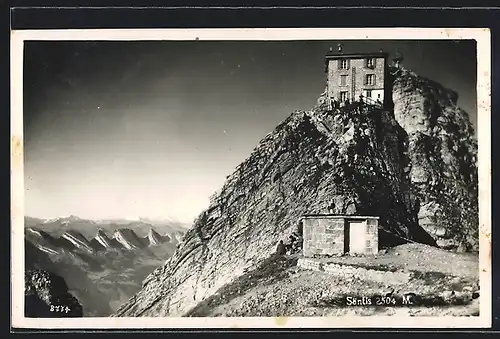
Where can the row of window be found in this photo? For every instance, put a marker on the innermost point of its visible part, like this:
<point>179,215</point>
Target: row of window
<point>369,79</point>
<point>369,63</point>
<point>344,95</point>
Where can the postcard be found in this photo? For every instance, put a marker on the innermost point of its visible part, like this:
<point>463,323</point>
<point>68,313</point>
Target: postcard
<point>251,178</point>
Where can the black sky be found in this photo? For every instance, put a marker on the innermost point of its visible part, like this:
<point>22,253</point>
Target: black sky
<point>121,129</point>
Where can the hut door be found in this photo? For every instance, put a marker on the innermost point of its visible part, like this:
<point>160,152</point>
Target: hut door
<point>357,236</point>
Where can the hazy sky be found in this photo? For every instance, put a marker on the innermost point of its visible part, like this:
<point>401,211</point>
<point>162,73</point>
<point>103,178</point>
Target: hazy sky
<point>127,129</point>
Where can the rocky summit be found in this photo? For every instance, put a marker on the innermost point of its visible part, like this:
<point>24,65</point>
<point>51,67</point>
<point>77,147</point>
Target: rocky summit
<point>443,159</point>
<point>414,166</point>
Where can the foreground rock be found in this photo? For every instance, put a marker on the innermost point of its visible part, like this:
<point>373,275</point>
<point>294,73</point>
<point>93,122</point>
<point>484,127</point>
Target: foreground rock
<point>355,160</point>
<point>47,296</point>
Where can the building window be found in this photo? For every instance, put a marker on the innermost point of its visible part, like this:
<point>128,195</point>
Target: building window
<point>368,93</point>
<point>343,80</point>
<point>370,79</point>
<point>343,64</point>
<point>343,96</point>
<point>370,63</point>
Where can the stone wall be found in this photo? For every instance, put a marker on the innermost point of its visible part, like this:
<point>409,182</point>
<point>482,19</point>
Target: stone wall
<point>372,236</point>
<point>323,236</point>
<point>347,271</point>
<point>327,236</point>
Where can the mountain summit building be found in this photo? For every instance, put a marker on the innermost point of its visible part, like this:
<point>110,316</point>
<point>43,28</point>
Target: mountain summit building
<point>359,75</point>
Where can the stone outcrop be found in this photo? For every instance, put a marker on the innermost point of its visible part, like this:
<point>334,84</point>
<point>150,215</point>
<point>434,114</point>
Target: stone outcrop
<point>442,159</point>
<point>358,160</point>
<point>47,296</point>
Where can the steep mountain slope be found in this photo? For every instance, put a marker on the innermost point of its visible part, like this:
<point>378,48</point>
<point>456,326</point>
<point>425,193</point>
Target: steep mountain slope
<point>154,238</point>
<point>443,157</point>
<point>35,258</point>
<point>353,160</point>
<point>78,241</point>
<point>105,242</point>
<point>128,239</point>
<point>42,240</point>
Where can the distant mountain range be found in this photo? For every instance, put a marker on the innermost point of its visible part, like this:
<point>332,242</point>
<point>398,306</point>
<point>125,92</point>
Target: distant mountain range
<point>102,261</point>
<point>72,233</point>
<point>89,228</point>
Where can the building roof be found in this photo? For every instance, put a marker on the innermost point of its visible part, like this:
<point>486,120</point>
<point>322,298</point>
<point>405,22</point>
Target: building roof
<point>334,216</point>
<point>337,55</point>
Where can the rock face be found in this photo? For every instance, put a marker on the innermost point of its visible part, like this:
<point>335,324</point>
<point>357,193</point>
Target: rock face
<point>442,152</point>
<point>103,242</point>
<point>35,257</point>
<point>103,239</point>
<point>78,240</point>
<point>357,159</point>
<point>154,238</point>
<point>128,239</point>
<point>47,296</point>
<point>45,242</point>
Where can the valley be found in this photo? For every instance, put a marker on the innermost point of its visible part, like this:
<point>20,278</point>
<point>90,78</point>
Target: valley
<point>103,263</point>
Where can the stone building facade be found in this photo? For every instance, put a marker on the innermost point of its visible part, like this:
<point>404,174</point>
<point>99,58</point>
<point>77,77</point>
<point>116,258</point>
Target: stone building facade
<point>351,75</point>
<point>331,235</point>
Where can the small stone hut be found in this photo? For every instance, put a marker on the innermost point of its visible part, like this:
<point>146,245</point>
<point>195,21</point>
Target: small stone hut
<point>330,235</point>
